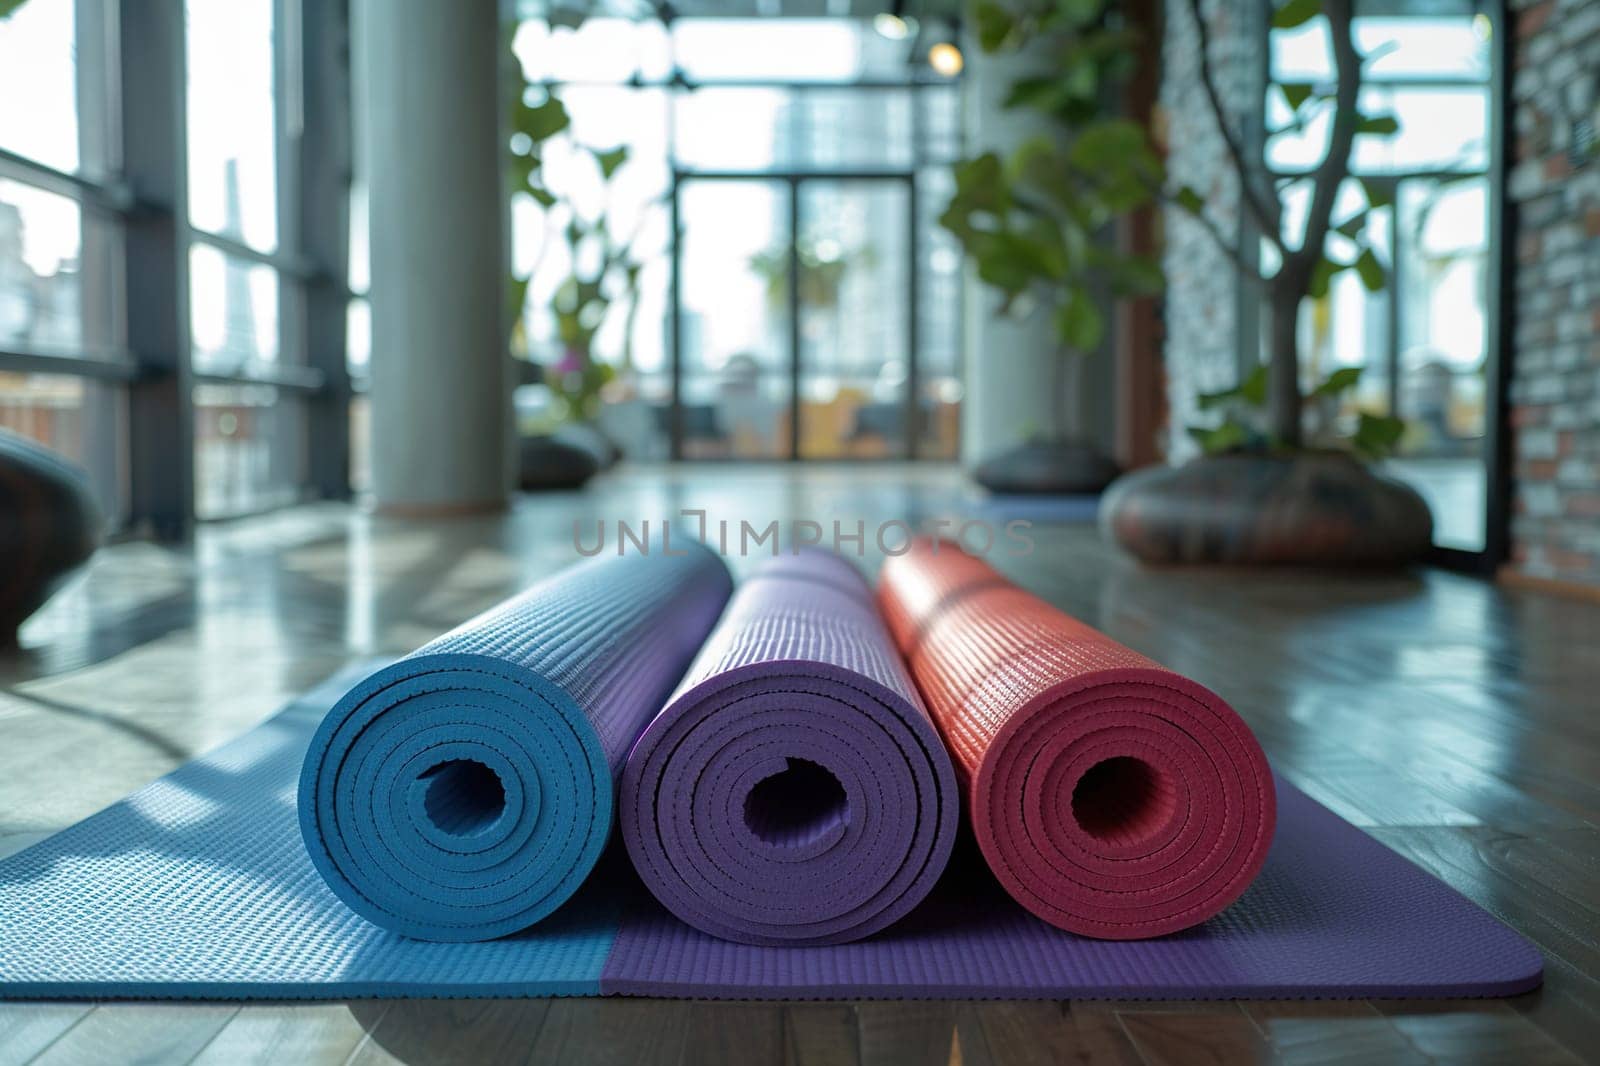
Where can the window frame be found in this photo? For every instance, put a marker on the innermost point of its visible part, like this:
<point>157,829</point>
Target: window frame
<point>102,198</point>
<point>143,194</point>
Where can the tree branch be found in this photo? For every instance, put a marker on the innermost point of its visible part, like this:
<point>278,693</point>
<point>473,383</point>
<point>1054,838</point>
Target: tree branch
<point>1292,283</point>
<point>1335,166</point>
<point>1266,218</point>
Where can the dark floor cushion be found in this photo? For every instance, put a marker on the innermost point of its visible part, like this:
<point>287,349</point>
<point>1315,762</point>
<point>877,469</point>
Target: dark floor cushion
<point>592,439</point>
<point>1061,467</point>
<point>546,463</point>
<point>49,525</point>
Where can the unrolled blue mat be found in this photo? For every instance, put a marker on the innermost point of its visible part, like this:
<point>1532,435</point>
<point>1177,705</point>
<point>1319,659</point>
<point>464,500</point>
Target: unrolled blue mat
<point>198,886</point>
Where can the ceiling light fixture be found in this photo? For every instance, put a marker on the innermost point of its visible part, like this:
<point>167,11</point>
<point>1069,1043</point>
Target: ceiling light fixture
<point>946,59</point>
<point>891,26</point>
<point>894,23</point>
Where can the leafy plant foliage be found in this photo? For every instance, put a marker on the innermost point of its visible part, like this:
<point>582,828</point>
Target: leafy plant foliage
<point>1243,425</point>
<point>605,268</point>
<point>1033,221</point>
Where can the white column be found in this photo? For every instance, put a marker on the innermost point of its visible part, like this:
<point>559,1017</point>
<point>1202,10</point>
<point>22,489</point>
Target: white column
<point>1012,375</point>
<point>441,386</point>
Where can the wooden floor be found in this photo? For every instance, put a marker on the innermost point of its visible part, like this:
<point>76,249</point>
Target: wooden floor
<point>1456,721</point>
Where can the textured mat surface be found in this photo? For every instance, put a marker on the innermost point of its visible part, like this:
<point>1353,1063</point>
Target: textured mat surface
<point>794,790</point>
<point>1334,914</point>
<point>198,886</point>
<point>465,791</point>
<point>1111,797</point>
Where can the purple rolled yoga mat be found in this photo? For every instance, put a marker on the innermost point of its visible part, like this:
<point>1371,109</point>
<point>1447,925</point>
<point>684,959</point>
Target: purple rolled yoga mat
<point>794,790</point>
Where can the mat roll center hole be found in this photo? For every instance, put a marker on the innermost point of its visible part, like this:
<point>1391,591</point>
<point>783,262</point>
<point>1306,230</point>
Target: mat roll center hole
<point>1122,800</point>
<point>796,805</point>
<point>463,796</point>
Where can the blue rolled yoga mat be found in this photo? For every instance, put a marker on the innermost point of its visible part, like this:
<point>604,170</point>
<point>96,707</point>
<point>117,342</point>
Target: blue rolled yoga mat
<point>465,792</point>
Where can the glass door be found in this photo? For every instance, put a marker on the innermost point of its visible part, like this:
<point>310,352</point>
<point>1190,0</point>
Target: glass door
<point>734,320</point>
<point>1440,356</point>
<point>794,317</point>
<point>854,360</point>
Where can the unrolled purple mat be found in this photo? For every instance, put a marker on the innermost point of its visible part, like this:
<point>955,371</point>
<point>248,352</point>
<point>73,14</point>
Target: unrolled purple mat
<point>198,886</point>
<point>1333,915</point>
<point>794,790</point>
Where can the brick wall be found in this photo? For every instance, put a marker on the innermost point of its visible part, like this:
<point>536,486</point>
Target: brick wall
<point>1202,328</point>
<point>1555,386</point>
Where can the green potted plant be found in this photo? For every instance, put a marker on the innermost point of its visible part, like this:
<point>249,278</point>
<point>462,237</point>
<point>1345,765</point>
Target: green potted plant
<point>603,282</point>
<point>1285,475</point>
<point>823,267</point>
<point>1035,221</point>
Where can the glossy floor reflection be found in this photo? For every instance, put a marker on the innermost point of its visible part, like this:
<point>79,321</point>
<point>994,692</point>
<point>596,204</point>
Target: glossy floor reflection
<point>1455,720</point>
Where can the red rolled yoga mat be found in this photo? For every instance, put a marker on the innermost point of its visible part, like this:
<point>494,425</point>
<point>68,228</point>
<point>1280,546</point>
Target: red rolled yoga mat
<point>1110,796</point>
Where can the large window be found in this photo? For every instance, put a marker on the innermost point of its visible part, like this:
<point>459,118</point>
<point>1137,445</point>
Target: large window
<point>156,281</point>
<point>57,269</point>
<point>246,280</point>
<point>63,363</point>
<point>808,305</point>
<point>232,143</point>
<point>1423,341</point>
<point>358,315</point>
